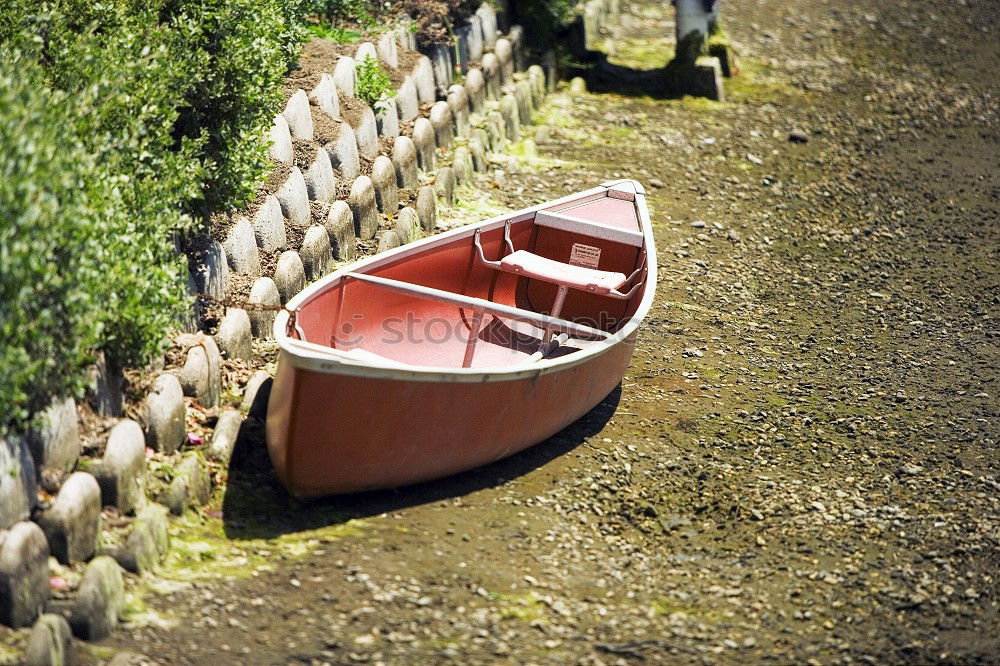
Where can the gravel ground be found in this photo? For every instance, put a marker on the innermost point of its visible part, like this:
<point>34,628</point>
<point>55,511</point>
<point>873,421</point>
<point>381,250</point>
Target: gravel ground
<point>800,466</point>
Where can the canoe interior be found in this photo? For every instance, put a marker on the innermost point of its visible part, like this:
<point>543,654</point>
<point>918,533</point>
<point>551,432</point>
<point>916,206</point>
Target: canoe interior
<point>354,315</point>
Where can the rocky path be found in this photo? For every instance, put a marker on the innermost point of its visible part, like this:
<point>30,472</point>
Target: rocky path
<point>801,465</point>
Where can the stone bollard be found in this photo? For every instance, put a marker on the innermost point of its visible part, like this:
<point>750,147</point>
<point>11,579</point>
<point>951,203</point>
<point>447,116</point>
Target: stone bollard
<point>423,141</point>
<point>458,102</point>
<point>343,75</point>
<point>56,443</point>
<point>387,52</point>
<point>384,183</point>
<point>496,130</point>
<point>211,277</point>
<point>269,225</point>
<point>227,429</point>
<point>525,105</point>
<point>281,141</point>
<point>316,253</point>
<point>505,59</point>
<point>325,96</point>
<point>475,89</point>
<point>477,150</point>
<point>190,487</point>
<point>488,17</point>
<point>72,521</point>
<point>387,118</point>
<point>536,76</point>
<point>440,118</point>
<point>511,116</point>
<point>441,65</point>
<point>121,472</point>
<point>104,388</point>
<point>444,185</point>
<point>408,225</point>
<point>241,248</point>
<point>362,203</point>
<point>423,78</point>
<point>234,337</point>
<point>289,275</point>
<point>344,153</point>
<point>50,642</point>
<point>388,241</point>
<point>321,184</point>
<point>365,50</point>
<point>462,164</point>
<point>201,376</point>
<point>340,228</point>
<point>298,116</point>
<point>407,101</point>
<point>491,75</point>
<point>18,496</point>
<point>427,208</point>
<point>162,415</point>
<point>100,601</point>
<point>366,134</point>
<point>263,293</point>
<point>24,574</point>
<point>404,160</point>
<point>294,198</point>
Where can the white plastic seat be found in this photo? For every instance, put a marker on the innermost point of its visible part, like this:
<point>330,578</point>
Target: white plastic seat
<point>532,265</point>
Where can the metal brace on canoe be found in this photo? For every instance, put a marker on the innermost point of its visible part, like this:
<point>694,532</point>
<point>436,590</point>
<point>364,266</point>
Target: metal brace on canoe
<point>566,276</point>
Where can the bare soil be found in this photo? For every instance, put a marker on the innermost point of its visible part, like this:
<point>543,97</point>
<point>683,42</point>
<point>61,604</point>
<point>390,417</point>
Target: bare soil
<point>800,465</point>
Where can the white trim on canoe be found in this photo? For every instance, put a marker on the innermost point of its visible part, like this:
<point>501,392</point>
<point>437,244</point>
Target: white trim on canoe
<point>321,358</point>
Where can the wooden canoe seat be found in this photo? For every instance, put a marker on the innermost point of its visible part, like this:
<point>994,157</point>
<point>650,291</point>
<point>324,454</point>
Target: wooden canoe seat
<point>532,265</point>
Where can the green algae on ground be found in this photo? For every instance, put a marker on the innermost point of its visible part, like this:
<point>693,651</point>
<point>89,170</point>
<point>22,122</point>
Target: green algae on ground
<point>473,205</point>
<point>755,83</point>
<point>528,607</point>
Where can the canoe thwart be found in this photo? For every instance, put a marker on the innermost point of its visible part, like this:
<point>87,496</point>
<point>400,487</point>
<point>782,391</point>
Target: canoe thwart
<point>487,307</point>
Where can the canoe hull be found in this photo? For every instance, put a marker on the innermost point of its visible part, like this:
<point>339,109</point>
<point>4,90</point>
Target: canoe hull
<point>332,433</point>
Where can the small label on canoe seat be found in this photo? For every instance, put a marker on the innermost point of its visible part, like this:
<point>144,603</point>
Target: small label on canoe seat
<point>587,256</point>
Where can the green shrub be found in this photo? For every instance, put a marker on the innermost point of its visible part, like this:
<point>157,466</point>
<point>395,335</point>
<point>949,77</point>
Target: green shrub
<point>124,124</point>
<point>245,47</point>
<point>53,208</point>
<point>372,82</point>
<point>334,33</point>
<point>332,12</point>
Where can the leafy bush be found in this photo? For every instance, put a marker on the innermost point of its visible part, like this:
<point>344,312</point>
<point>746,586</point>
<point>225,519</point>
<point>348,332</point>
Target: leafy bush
<point>332,12</point>
<point>334,33</point>
<point>372,82</point>
<point>122,126</point>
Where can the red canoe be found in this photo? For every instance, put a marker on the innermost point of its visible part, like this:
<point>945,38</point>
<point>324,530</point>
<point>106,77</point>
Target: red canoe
<point>462,348</point>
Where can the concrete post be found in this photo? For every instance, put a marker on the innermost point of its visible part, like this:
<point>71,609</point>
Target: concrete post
<point>695,21</point>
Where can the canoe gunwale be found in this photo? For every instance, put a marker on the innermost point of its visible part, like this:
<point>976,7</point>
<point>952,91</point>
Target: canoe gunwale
<point>321,358</point>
